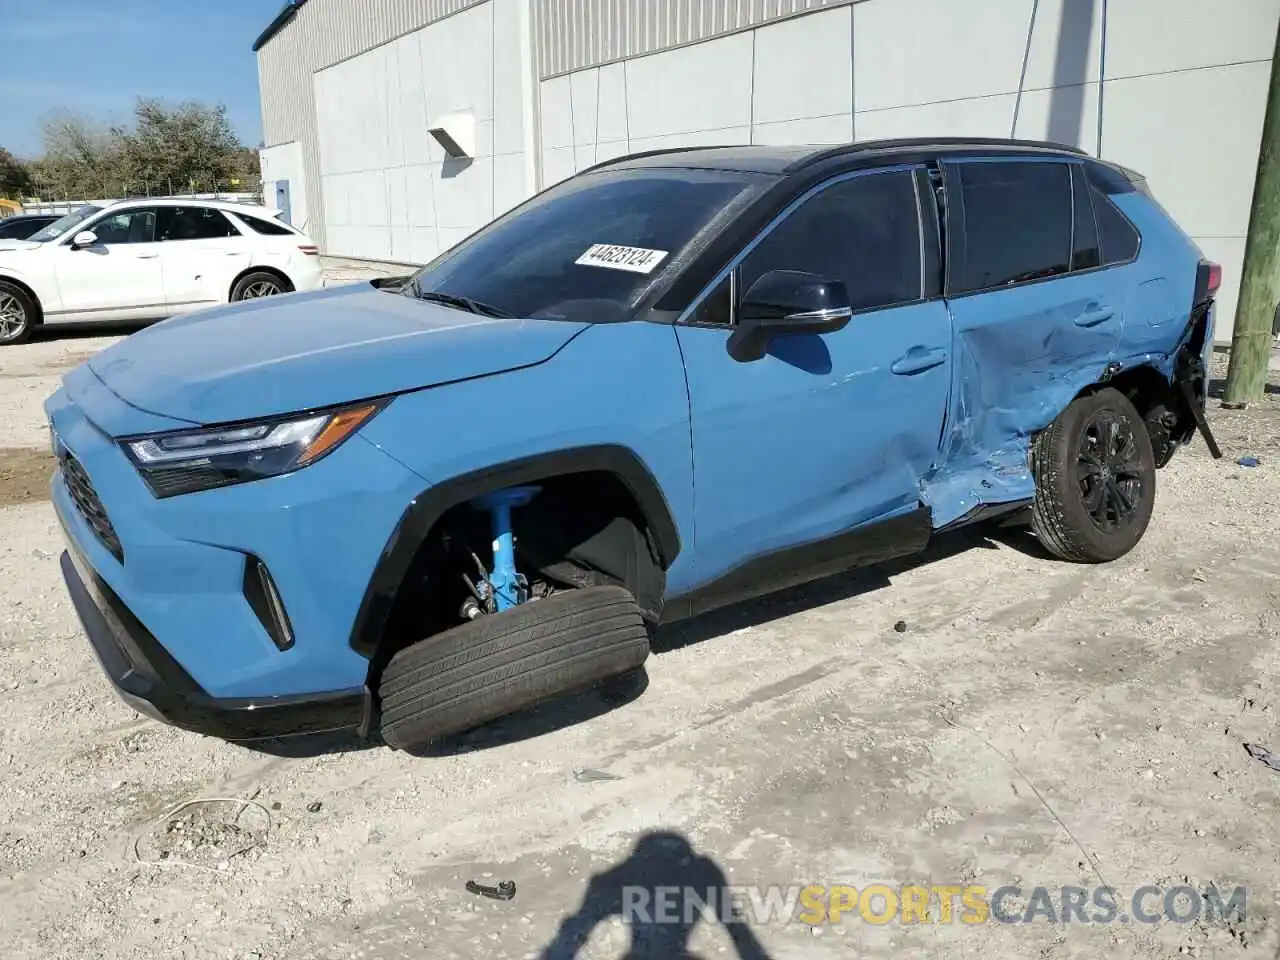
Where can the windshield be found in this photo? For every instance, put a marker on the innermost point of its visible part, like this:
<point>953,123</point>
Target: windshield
<point>590,247</point>
<point>60,226</point>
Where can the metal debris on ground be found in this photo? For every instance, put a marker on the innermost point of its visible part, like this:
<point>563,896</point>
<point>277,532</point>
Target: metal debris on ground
<point>1248,461</point>
<point>1259,752</point>
<point>587,775</point>
<point>313,807</point>
<point>505,890</point>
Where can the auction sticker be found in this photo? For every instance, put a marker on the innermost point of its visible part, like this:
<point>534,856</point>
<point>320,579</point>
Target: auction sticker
<point>614,257</point>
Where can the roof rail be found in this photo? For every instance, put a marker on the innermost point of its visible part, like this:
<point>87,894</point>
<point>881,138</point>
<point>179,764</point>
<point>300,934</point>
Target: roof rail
<point>658,153</point>
<point>906,143</point>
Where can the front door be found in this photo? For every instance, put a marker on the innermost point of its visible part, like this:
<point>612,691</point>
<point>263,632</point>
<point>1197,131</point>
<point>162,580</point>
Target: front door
<point>830,432</point>
<point>118,277</point>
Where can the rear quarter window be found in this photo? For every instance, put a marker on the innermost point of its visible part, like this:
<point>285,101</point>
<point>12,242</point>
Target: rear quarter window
<point>1119,238</point>
<point>270,228</point>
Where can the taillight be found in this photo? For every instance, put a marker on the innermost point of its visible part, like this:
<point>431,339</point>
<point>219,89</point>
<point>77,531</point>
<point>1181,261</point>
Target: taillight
<point>309,249</point>
<point>1208,280</point>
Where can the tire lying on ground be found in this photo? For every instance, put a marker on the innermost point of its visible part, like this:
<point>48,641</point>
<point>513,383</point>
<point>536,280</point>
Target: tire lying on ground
<point>1095,479</point>
<point>500,663</point>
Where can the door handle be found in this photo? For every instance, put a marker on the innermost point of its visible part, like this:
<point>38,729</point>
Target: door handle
<point>146,256</point>
<point>918,360</point>
<point>1093,315</point>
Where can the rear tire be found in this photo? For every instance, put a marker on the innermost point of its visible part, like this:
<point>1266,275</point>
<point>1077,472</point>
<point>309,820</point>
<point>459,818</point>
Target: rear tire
<point>1095,479</point>
<point>258,284</point>
<point>18,315</point>
<point>500,663</point>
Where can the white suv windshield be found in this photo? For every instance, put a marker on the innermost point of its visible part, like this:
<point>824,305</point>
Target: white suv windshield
<point>65,223</point>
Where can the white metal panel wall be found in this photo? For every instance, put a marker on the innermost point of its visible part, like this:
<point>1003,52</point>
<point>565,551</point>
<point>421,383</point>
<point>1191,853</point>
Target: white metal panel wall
<point>323,33</point>
<point>1182,102</point>
<point>284,162</point>
<point>390,191</point>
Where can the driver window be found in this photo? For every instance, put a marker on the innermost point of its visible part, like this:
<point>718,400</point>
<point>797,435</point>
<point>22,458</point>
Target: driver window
<point>864,231</point>
<point>132,226</point>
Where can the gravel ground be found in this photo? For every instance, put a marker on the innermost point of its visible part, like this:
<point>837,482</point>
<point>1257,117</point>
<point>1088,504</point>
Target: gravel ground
<point>1028,722</point>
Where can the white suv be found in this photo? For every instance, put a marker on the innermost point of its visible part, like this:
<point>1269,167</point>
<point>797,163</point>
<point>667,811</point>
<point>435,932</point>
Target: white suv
<point>146,260</point>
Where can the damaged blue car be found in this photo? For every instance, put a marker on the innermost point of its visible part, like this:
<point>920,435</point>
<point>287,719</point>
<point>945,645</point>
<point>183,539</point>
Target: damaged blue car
<point>674,381</point>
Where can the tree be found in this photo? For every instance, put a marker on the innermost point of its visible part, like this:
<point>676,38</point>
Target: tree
<point>14,175</point>
<point>81,159</point>
<point>165,149</point>
<point>191,143</point>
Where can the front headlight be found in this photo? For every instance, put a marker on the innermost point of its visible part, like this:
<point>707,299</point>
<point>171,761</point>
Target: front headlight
<point>185,461</point>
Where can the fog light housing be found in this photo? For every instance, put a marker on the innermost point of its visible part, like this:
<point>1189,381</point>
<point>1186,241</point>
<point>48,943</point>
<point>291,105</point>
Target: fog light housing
<point>264,599</point>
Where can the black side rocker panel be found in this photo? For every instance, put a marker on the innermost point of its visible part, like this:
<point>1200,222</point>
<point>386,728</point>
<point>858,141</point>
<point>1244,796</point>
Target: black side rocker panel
<point>790,567</point>
<point>426,509</point>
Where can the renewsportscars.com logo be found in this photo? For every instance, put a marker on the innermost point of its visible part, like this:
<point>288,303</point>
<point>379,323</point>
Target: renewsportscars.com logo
<point>881,904</point>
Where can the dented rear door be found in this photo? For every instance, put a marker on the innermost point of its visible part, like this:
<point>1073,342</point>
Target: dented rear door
<point>1035,321</point>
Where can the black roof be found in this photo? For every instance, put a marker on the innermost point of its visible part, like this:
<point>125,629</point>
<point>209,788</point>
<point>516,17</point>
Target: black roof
<point>778,160</point>
<point>275,26</point>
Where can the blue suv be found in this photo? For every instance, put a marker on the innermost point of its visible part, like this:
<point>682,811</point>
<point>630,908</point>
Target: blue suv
<point>675,381</point>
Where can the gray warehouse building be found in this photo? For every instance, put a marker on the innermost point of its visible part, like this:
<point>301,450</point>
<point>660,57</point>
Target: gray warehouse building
<point>395,128</point>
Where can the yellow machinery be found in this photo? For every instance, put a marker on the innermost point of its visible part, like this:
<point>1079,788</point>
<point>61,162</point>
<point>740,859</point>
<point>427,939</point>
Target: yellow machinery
<point>9,208</point>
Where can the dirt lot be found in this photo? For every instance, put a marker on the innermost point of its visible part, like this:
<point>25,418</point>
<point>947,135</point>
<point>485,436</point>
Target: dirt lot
<point>1034,723</point>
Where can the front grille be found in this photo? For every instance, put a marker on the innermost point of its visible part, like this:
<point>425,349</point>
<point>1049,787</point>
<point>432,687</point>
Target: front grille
<point>87,502</point>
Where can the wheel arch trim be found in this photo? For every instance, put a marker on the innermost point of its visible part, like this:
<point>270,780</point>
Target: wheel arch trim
<point>426,509</point>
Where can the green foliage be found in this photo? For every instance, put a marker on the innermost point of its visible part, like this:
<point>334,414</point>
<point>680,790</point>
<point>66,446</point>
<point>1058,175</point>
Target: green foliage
<point>13,175</point>
<point>167,148</point>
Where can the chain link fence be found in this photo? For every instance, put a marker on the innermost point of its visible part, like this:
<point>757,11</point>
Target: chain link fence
<point>48,198</point>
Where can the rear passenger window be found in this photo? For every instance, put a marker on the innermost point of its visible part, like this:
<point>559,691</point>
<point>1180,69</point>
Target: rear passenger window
<point>864,231</point>
<point>1017,224</point>
<point>1119,238</point>
<point>193,223</point>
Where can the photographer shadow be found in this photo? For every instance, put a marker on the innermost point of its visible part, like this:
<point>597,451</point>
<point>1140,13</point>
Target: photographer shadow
<point>663,890</point>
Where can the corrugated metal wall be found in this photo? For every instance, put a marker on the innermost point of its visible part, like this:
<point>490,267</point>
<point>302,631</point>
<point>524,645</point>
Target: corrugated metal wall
<point>323,33</point>
<point>567,35</point>
<point>572,34</point>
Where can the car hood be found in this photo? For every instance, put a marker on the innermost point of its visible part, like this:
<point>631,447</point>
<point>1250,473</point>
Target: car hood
<point>11,246</point>
<point>302,351</point>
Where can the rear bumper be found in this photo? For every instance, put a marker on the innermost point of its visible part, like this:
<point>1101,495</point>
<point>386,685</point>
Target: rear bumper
<point>147,678</point>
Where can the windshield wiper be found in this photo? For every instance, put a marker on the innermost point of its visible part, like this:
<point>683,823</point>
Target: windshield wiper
<point>459,303</point>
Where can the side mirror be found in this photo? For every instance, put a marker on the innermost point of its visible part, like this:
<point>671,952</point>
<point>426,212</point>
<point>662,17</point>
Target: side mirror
<point>85,238</point>
<point>786,302</point>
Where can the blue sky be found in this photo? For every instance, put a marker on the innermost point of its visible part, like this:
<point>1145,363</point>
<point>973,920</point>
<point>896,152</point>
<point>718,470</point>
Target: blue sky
<point>95,57</point>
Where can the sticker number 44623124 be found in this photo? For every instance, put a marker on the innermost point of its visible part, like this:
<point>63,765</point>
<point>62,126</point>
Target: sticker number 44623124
<point>614,257</point>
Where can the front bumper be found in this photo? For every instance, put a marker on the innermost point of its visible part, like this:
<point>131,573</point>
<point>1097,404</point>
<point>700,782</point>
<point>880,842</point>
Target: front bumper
<point>148,679</point>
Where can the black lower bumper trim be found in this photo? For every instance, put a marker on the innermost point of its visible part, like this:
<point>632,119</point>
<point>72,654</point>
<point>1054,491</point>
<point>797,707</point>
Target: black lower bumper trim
<point>153,683</point>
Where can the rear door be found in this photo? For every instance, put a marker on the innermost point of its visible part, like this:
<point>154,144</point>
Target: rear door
<point>201,252</point>
<point>1036,316</point>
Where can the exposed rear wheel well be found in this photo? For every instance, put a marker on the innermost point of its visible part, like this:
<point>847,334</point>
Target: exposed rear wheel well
<point>1156,401</point>
<point>39,317</point>
<point>582,529</point>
